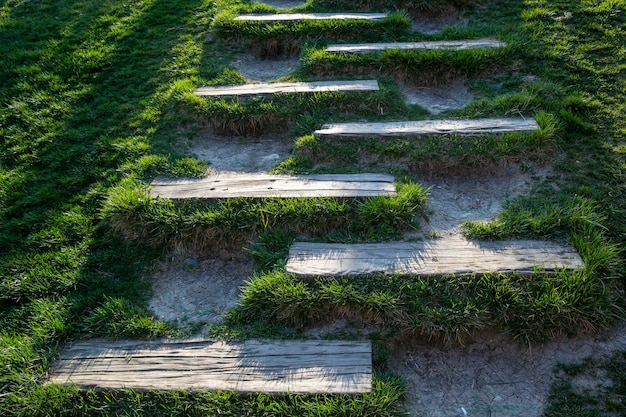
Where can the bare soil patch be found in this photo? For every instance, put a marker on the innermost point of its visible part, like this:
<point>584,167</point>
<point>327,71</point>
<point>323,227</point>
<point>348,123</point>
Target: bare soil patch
<point>236,154</point>
<point>494,376</point>
<point>436,99</point>
<point>255,68</point>
<point>455,199</point>
<point>431,22</point>
<point>189,291</point>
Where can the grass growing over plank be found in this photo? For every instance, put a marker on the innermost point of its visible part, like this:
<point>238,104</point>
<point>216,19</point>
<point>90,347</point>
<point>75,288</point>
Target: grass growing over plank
<point>449,154</point>
<point>269,39</point>
<point>252,116</point>
<point>452,308</point>
<point>430,67</point>
<point>196,226</point>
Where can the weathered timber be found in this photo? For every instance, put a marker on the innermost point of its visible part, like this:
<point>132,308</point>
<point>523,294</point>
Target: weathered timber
<point>283,17</point>
<point>360,48</point>
<point>470,127</point>
<point>288,88</point>
<point>441,256</point>
<point>310,366</point>
<point>281,186</point>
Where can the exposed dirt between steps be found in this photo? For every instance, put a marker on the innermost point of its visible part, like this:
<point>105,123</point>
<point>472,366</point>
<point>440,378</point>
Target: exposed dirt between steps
<point>454,95</point>
<point>431,22</point>
<point>455,199</point>
<point>265,69</point>
<point>189,291</point>
<point>237,154</point>
<point>493,376</point>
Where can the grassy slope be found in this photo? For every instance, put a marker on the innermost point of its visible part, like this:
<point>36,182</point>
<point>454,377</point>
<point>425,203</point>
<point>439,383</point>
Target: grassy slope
<point>87,92</point>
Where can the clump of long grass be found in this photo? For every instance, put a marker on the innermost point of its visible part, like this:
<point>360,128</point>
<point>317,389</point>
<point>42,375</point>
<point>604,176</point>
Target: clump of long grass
<point>276,38</point>
<point>194,225</point>
<point>436,155</point>
<point>279,112</point>
<point>430,67</point>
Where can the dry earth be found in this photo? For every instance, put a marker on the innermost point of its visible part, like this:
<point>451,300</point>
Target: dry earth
<point>494,376</point>
<point>454,95</point>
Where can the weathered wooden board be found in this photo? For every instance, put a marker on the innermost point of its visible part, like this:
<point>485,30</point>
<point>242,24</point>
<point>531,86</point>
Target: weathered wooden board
<point>450,45</point>
<point>288,88</point>
<point>282,186</point>
<point>282,17</point>
<point>470,127</point>
<point>309,366</point>
<point>441,256</point>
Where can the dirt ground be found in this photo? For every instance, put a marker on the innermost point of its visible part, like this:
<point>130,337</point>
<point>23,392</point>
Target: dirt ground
<point>494,376</point>
<point>452,96</point>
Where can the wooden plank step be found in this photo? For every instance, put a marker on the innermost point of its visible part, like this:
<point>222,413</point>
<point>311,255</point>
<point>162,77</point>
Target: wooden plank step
<point>288,88</point>
<point>281,186</point>
<point>442,256</point>
<point>471,127</point>
<point>419,46</point>
<point>304,366</point>
<point>284,17</point>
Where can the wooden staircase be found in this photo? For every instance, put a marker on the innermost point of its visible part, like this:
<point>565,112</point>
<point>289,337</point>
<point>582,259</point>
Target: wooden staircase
<point>309,366</point>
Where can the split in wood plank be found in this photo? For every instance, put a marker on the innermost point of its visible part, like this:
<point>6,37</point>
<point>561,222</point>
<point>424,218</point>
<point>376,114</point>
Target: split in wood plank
<point>419,46</point>
<point>282,17</point>
<point>298,366</point>
<point>288,88</point>
<point>441,256</point>
<point>471,127</point>
<point>279,186</point>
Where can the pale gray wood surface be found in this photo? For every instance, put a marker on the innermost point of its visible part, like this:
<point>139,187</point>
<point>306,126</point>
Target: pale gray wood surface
<point>302,366</point>
<point>440,256</point>
<point>450,45</point>
<point>282,17</point>
<point>430,127</point>
<point>288,88</point>
<point>283,186</point>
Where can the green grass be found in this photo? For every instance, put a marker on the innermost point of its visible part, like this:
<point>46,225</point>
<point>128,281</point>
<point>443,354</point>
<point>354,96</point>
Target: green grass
<point>433,67</point>
<point>195,226</point>
<point>443,155</point>
<point>95,96</point>
<point>269,39</point>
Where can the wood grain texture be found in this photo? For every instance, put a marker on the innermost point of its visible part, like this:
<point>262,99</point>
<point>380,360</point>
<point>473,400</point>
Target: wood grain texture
<point>281,186</point>
<point>283,17</point>
<point>309,366</point>
<point>360,48</point>
<point>288,88</point>
<point>442,256</point>
<point>470,127</point>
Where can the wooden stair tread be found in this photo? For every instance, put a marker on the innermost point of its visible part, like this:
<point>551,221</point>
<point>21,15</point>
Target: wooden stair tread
<point>433,45</point>
<point>430,127</point>
<point>282,17</point>
<point>441,256</point>
<point>280,186</point>
<point>299,366</point>
<point>288,88</point>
